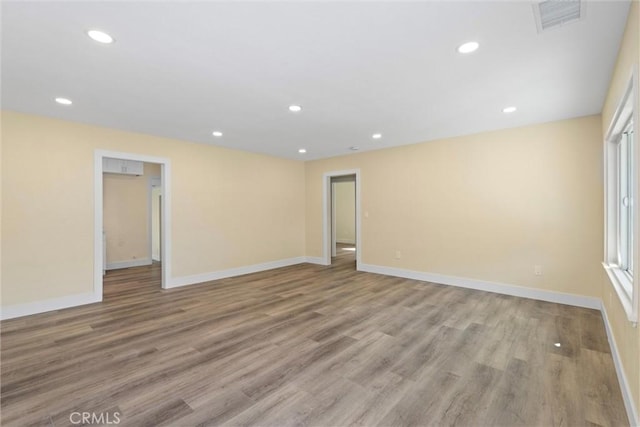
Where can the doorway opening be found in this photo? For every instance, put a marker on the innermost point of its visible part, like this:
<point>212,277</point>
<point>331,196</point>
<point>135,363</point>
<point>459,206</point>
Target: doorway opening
<point>341,217</point>
<point>124,188</point>
<point>155,213</point>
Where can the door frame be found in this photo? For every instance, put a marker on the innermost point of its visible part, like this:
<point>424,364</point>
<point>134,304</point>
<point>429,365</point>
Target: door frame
<point>154,180</point>
<point>334,222</point>
<point>327,207</point>
<point>165,225</point>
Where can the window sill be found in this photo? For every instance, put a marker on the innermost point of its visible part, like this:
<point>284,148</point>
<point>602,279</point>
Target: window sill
<point>622,283</point>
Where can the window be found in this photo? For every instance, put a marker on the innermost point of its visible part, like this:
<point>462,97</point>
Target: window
<point>621,193</point>
<point>624,199</point>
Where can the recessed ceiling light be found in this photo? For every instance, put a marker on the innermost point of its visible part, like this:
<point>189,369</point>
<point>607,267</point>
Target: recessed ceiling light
<point>217,133</point>
<point>302,151</point>
<point>509,110</point>
<point>558,344</point>
<point>468,47</point>
<point>376,136</point>
<point>354,148</point>
<point>64,101</point>
<point>100,36</point>
<point>295,108</point>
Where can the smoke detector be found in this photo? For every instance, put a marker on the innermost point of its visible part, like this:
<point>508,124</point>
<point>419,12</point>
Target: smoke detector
<point>556,13</point>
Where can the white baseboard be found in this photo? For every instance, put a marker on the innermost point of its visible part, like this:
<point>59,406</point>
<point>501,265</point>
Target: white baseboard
<point>129,263</point>
<point>232,272</point>
<point>483,285</point>
<point>520,291</point>
<point>632,411</point>
<point>315,260</point>
<point>346,241</point>
<point>19,310</point>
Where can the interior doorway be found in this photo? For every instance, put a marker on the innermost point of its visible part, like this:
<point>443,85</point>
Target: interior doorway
<point>129,162</point>
<point>341,216</point>
<point>156,219</point>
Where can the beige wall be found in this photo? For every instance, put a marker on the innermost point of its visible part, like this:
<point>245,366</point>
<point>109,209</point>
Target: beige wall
<point>488,206</point>
<point>1,160</point>
<point>126,215</point>
<point>345,199</point>
<point>225,215</point>
<point>627,337</point>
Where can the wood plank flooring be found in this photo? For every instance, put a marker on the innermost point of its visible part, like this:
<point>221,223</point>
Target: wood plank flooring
<point>308,345</point>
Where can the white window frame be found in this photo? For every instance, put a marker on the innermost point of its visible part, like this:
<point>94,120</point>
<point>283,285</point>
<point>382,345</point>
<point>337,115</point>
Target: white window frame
<point>619,267</point>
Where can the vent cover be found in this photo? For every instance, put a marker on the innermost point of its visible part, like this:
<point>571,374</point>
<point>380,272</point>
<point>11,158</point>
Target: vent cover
<point>555,13</point>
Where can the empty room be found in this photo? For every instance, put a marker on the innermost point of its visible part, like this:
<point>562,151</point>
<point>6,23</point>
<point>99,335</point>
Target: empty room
<point>319,213</point>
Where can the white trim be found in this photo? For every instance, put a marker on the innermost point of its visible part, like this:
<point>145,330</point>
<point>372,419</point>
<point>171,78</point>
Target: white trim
<point>487,286</point>
<point>326,215</point>
<point>524,292</point>
<point>334,220</point>
<point>27,309</point>
<point>149,215</point>
<point>315,260</point>
<point>19,310</point>
<point>346,241</point>
<point>619,280</point>
<point>165,226</point>
<point>129,263</point>
<point>154,181</point>
<point>165,166</point>
<point>628,107</point>
<point>630,94</point>
<point>98,224</point>
<point>632,412</point>
<point>232,272</point>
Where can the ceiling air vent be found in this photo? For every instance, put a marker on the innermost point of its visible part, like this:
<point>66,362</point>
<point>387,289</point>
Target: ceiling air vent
<point>555,13</point>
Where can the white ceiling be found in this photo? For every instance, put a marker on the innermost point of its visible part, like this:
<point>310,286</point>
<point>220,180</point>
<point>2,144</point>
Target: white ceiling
<point>184,69</point>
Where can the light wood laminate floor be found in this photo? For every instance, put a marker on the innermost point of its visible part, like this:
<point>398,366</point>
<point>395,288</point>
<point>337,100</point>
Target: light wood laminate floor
<point>309,345</point>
